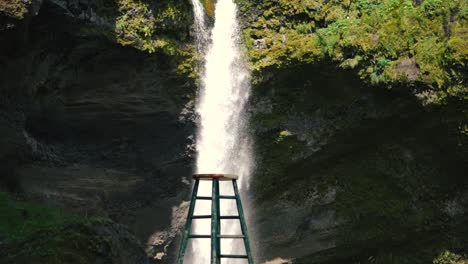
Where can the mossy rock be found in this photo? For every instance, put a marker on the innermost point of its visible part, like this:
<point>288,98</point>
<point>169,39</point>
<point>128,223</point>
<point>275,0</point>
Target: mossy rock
<point>382,154</point>
<point>363,34</point>
<point>209,7</point>
<point>20,220</point>
<point>15,9</point>
<point>36,234</point>
<point>95,242</point>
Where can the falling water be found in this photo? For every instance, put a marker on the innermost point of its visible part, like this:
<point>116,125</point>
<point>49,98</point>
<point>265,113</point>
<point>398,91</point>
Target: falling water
<point>200,25</point>
<point>223,144</point>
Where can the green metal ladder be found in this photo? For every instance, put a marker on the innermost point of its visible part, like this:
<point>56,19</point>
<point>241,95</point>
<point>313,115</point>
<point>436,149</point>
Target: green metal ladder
<point>216,218</point>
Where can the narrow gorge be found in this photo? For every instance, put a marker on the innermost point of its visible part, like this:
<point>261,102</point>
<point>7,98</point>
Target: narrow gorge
<point>347,121</point>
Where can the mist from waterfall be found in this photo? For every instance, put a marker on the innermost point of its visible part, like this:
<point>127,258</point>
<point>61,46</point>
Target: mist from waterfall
<point>223,144</point>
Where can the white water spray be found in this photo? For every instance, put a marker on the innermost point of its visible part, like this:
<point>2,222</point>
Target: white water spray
<point>223,143</point>
<point>201,30</point>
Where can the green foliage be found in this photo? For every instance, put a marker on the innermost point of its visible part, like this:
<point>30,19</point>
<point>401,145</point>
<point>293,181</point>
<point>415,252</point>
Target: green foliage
<point>20,220</point>
<point>77,243</point>
<point>16,9</point>
<point>433,8</point>
<point>457,43</point>
<point>138,25</point>
<point>448,257</point>
<point>383,62</point>
<point>151,26</point>
<point>282,136</point>
<point>209,7</point>
<point>364,5</point>
<point>379,33</point>
<point>304,28</point>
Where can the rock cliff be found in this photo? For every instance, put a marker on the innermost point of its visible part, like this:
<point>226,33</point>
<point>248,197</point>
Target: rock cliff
<point>358,113</point>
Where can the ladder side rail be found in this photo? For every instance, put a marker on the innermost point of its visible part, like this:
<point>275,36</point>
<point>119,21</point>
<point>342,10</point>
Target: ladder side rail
<point>188,223</point>
<point>242,222</point>
<point>214,222</point>
<point>218,220</point>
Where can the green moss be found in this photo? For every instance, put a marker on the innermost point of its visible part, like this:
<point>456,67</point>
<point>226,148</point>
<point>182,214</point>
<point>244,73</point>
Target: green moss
<point>74,244</point>
<point>433,33</point>
<point>209,7</point>
<point>138,24</point>
<point>457,42</point>
<point>34,233</point>
<point>150,26</point>
<point>20,220</point>
<point>448,257</point>
<point>16,9</point>
<point>304,28</point>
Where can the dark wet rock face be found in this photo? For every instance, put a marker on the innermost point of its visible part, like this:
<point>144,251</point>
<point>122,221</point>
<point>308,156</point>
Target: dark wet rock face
<point>350,173</point>
<point>95,128</point>
<point>345,172</point>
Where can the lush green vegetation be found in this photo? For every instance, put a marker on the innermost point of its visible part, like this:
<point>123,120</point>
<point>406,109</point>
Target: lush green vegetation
<point>152,27</point>
<point>19,221</point>
<point>76,244</point>
<point>34,233</point>
<point>209,7</point>
<point>448,257</point>
<point>387,42</point>
<point>16,9</point>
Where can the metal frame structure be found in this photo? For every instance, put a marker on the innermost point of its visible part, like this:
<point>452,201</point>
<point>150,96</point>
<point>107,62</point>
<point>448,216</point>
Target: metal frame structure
<point>216,236</point>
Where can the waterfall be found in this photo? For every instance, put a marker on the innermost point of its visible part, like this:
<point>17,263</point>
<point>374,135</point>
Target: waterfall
<point>201,32</point>
<point>223,143</point>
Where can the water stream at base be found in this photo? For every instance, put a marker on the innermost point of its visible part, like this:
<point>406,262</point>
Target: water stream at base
<point>223,143</point>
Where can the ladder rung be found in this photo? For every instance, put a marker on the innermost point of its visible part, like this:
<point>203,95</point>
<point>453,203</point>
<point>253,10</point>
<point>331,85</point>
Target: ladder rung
<point>234,256</point>
<point>229,217</point>
<point>227,197</point>
<point>204,198</point>
<point>199,236</point>
<point>201,216</point>
<point>232,236</point>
